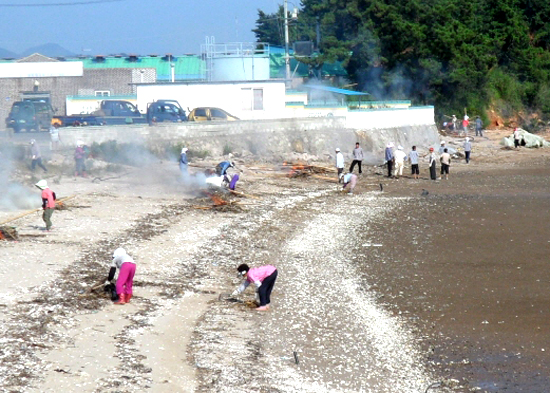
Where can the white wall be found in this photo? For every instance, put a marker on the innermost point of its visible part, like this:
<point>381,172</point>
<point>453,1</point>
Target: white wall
<point>390,118</point>
<point>227,96</point>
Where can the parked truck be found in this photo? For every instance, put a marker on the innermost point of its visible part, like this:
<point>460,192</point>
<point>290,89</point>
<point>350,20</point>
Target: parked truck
<point>110,112</point>
<point>113,112</point>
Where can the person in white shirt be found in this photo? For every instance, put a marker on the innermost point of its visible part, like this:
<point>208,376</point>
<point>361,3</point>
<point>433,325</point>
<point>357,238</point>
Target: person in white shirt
<point>339,164</point>
<point>399,157</point>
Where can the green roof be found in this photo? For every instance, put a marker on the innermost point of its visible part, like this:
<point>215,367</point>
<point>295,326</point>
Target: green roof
<point>187,67</point>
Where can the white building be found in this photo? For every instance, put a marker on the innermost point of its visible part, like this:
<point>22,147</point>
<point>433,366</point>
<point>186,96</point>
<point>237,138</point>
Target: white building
<point>245,99</point>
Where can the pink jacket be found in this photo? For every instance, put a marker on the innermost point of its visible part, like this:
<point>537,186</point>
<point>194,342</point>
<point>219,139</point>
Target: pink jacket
<point>47,195</point>
<point>257,275</point>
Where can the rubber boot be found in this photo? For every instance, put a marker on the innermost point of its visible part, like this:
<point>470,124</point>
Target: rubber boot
<point>128,297</point>
<point>121,299</point>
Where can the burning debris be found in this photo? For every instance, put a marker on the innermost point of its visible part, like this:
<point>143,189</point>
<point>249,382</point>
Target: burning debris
<point>8,233</point>
<point>304,170</point>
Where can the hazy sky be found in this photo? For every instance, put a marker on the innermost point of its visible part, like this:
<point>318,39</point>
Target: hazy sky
<point>131,26</point>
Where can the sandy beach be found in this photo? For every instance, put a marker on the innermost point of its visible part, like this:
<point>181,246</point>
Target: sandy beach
<point>382,291</point>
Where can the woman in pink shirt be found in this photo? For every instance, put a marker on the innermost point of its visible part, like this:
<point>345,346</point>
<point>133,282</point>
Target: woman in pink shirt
<point>48,203</point>
<point>263,277</point>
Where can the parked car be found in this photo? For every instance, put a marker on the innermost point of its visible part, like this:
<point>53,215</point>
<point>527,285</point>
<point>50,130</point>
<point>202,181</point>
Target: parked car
<point>165,111</point>
<point>30,115</point>
<point>209,113</point>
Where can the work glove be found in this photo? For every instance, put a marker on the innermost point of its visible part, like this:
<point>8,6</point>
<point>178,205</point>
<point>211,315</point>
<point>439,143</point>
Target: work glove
<point>235,293</point>
<point>107,282</point>
<point>257,297</point>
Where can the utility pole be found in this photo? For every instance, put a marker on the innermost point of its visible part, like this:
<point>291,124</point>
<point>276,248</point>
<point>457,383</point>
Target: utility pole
<point>287,56</point>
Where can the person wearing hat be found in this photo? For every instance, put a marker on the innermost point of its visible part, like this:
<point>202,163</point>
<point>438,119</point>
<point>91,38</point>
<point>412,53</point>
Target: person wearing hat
<point>183,163</point>
<point>432,158</point>
<point>339,164</point>
<point>126,270</point>
<point>36,156</point>
<point>388,155</point>
<point>79,157</point>
<point>222,167</point>
<point>263,278</point>
<point>399,157</point>
<point>48,203</point>
<point>465,124</point>
<point>441,147</point>
<point>357,158</point>
<point>467,149</point>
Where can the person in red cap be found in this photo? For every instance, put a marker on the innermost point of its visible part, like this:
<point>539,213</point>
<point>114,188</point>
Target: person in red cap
<point>432,159</point>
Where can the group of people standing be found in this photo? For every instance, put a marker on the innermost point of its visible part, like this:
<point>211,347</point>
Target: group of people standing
<point>395,160</point>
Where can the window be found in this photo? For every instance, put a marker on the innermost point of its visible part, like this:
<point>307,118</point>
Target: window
<point>252,99</point>
<point>258,99</point>
<point>102,93</point>
<point>218,114</point>
<point>200,112</point>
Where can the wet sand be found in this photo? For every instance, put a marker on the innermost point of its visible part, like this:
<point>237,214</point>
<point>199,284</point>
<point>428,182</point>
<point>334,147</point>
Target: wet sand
<point>468,265</point>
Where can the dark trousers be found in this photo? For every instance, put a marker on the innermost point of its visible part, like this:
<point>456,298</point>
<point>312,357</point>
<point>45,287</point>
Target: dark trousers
<point>265,289</point>
<point>38,161</point>
<point>480,131</point>
<point>467,156</point>
<point>433,174</point>
<point>353,166</point>
<point>516,143</point>
<point>340,177</point>
<point>390,168</point>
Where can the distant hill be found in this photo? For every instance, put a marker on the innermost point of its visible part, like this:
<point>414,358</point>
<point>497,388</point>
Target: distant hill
<point>7,53</point>
<point>50,50</point>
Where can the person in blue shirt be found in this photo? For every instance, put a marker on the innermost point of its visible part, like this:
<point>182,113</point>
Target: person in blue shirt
<point>222,167</point>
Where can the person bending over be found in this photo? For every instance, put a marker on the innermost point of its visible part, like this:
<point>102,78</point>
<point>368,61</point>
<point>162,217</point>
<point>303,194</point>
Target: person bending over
<point>263,277</point>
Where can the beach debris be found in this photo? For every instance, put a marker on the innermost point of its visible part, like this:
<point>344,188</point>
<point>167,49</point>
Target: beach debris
<point>8,233</point>
<point>528,140</point>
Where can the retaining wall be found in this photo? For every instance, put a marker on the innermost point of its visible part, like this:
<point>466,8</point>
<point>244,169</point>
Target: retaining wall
<point>277,139</point>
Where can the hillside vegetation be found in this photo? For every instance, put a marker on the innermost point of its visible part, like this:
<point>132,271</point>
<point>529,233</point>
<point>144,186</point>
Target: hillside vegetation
<point>487,57</point>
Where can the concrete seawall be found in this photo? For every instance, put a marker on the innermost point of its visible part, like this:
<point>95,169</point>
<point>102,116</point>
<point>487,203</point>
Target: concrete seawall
<point>317,136</point>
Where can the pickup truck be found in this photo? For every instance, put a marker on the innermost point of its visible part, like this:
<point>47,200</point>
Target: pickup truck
<point>110,112</point>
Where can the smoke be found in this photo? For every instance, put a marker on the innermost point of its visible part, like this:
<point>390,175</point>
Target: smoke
<point>13,195</point>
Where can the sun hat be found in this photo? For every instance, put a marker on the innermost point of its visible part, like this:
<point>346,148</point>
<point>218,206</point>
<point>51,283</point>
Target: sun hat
<point>42,184</point>
<point>337,149</point>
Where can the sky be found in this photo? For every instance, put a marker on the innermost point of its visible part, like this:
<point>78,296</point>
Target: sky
<point>142,27</point>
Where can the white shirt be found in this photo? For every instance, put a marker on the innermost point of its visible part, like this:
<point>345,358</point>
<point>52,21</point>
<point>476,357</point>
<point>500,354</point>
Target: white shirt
<point>339,160</point>
<point>399,156</point>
